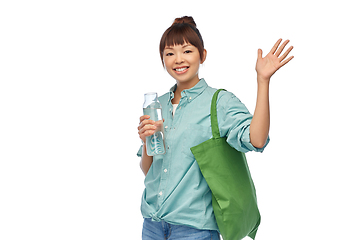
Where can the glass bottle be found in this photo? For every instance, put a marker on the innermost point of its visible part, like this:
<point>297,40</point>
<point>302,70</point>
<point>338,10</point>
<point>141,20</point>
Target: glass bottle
<point>155,144</point>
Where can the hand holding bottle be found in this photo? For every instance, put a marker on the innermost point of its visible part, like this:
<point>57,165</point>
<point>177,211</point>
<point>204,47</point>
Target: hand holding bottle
<point>148,127</point>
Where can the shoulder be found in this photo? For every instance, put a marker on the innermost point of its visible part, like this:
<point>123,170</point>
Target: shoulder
<point>225,98</point>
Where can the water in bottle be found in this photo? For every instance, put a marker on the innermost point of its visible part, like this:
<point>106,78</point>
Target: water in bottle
<point>154,143</point>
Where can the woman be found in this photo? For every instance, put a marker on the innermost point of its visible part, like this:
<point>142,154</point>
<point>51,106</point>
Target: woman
<point>176,203</point>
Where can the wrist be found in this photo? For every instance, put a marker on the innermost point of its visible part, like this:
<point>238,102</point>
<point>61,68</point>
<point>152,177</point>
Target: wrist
<point>263,87</point>
<point>262,79</point>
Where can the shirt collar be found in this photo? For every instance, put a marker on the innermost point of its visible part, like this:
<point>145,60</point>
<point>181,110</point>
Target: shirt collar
<point>191,93</point>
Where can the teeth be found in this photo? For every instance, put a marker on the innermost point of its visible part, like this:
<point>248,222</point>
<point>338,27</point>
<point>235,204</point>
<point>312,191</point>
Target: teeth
<point>181,69</point>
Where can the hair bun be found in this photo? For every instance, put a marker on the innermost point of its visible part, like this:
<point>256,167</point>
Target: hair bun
<point>185,19</point>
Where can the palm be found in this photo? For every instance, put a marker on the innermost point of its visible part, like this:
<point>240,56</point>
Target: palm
<point>267,66</point>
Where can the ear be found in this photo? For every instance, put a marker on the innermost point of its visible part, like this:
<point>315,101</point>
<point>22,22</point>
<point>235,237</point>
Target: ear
<point>204,56</point>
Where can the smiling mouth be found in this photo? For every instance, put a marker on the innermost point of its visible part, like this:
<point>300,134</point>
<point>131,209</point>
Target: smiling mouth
<point>181,70</point>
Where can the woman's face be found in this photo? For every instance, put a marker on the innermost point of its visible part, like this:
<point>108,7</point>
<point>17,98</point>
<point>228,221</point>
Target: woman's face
<point>182,62</point>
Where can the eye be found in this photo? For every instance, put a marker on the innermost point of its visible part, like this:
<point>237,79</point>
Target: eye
<point>169,54</point>
<point>188,51</point>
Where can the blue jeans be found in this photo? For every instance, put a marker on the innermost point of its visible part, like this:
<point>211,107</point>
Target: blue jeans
<point>162,230</point>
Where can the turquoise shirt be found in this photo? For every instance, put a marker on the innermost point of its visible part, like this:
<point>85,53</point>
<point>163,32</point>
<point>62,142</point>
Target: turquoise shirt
<point>175,190</point>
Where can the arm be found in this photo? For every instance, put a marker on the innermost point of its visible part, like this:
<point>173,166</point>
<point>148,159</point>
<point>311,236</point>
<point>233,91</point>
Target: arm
<point>146,161</point>
<point>265,68</point>
<point>260,124</point>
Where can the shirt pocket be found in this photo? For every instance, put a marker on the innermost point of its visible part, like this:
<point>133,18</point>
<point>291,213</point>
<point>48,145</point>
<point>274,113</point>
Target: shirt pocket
<point>194,135</point>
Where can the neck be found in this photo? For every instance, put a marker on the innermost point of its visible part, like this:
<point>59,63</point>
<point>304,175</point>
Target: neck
<point>181,86</point>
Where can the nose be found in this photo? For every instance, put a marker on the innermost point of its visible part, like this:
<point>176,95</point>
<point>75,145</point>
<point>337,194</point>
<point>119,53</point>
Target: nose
<point>179,59</point>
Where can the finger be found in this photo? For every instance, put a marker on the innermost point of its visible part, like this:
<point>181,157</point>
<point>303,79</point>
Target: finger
<point>286,61</point>
<point>278,52</point>
<point>259,53</point>
<point>145,122</point>
<point>146,133</point>
<point>275,46</point>
<point>286,53</point>
<point>160,122</point>
<point>144,117</point>
<point>146,129</point>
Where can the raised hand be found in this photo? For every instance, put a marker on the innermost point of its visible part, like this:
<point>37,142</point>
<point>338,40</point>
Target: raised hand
<point>267,66</point>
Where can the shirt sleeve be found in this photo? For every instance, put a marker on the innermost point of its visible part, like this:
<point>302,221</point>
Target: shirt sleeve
<point>234,123</point>
<point>139,153</point>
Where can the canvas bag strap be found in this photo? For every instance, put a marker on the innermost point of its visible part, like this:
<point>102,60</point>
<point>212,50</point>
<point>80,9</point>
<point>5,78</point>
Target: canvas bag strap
<point>214,120</point>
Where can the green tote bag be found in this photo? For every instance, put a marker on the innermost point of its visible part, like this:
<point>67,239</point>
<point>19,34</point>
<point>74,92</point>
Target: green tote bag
<point>233,192</point>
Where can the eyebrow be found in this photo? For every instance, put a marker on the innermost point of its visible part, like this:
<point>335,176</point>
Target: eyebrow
<point>187,45</point>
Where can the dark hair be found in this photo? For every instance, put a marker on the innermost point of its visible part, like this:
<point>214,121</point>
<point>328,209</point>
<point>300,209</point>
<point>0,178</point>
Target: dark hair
<point>183,30</point>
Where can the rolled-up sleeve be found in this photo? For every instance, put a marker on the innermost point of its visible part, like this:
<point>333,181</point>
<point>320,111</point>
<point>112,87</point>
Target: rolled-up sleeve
<point>139,153</point>
<point>234,123</point>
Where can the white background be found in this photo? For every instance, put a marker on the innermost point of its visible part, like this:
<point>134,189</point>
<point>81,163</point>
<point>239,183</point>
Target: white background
<point>72,79</point>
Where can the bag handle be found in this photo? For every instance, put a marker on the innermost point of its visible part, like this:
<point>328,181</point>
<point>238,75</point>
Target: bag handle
<point>213,113</point>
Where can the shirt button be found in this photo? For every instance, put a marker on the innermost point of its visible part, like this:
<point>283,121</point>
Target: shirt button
<point>160,193</point>
<point>166,126</point>
<point>190,98</point>
<point>165,170</point>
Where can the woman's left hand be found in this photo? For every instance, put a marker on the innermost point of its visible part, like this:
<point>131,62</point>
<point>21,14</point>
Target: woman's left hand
<point>267,66</point>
